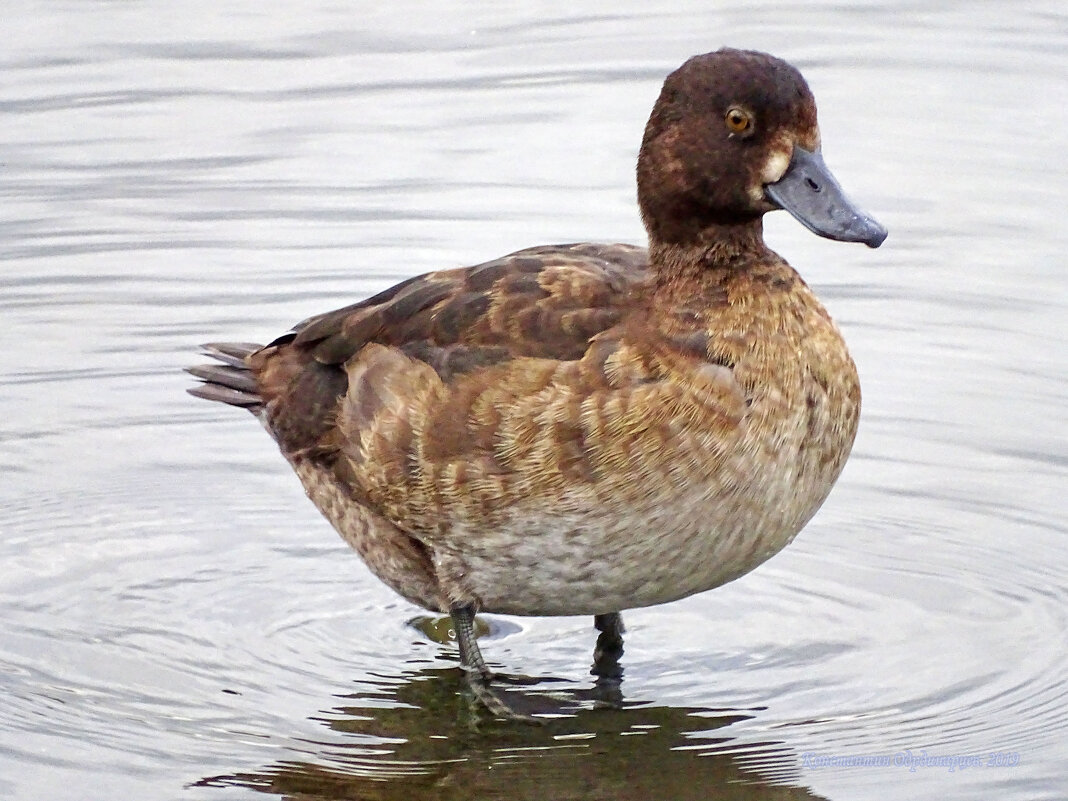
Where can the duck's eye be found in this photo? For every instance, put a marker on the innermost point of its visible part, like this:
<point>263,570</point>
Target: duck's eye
<point>738,120</point>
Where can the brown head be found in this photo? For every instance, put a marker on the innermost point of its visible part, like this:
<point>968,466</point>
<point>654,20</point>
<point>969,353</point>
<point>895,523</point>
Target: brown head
<point>732,136</point>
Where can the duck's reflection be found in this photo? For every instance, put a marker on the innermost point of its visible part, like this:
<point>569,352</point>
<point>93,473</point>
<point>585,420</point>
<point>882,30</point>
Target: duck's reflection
<point>421,739</point>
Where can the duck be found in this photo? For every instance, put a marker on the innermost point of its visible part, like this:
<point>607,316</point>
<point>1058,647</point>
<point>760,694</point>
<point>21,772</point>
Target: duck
<point>584,429</point>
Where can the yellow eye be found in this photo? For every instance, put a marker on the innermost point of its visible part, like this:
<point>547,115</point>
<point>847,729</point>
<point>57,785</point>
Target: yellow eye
<point>738,120</point>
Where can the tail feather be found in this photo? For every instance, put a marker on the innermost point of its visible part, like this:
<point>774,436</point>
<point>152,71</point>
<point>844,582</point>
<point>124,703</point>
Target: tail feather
<point>232,377</point>
<point>230,382</point>
<point>232,353</point>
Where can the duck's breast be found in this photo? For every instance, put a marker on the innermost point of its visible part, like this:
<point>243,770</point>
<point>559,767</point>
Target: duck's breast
<point>647,471</point>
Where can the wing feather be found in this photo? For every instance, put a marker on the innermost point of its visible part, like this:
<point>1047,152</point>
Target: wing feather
<point>454,393</point>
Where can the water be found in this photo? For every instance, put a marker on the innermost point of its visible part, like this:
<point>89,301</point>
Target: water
<point>176,621</point>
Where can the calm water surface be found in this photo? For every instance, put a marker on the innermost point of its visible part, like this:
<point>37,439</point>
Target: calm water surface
<point>176,621</point>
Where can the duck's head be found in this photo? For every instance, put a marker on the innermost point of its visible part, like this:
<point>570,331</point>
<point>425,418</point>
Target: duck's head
<point>733,136</point>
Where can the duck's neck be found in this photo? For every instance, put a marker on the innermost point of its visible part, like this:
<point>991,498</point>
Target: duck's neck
<point>717,250</point>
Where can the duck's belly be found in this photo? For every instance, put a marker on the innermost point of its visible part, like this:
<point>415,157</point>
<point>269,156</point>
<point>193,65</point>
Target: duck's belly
<point>608,557</point>
<point>659,511</point>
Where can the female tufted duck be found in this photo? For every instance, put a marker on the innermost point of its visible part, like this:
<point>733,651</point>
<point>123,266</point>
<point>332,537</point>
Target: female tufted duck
<point>587,428</point>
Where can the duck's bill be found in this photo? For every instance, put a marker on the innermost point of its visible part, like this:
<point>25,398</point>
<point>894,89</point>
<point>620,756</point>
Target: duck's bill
<point>811,194</point>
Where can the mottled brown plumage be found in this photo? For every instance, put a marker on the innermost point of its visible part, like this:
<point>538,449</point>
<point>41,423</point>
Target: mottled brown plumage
<point>580,429</point>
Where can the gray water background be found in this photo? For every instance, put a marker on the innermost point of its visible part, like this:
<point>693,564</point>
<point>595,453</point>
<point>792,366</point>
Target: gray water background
<point>176,620</point>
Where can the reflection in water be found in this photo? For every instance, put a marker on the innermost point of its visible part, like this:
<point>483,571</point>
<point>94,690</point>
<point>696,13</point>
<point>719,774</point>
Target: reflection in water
<point>421,738</point>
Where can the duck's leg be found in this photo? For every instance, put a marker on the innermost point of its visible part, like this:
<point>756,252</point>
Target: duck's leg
<point>474,665</point>
<point>471,659</point>
<point>609,649</point>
